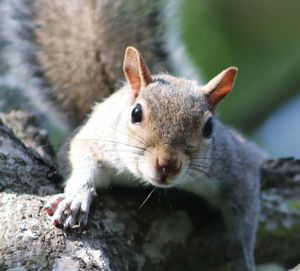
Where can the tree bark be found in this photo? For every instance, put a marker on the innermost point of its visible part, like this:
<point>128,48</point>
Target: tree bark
<point>171,231</point>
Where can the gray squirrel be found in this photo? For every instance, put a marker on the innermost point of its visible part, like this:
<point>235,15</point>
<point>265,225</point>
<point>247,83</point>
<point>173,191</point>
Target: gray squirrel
<point>157,130</point>
<point>161,130</point>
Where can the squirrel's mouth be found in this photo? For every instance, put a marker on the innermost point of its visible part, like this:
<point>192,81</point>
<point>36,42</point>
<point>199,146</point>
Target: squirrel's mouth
<point>162,173</point>
<point>161,184</point>
<point>164,180</point>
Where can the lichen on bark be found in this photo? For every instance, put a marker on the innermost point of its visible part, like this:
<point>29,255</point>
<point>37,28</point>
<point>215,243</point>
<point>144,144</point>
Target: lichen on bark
<point>173,231</point>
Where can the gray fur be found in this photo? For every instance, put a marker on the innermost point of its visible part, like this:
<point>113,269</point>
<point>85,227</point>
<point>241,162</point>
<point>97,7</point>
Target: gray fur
<point>235,163</point>
<point>19,56</point>
<point>180,61</point>
<point>167,95</point>
<point>70,52</point>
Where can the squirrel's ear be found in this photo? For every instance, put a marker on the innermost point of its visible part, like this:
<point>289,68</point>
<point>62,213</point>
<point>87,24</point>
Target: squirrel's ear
<point>218,87</point>
<point>135,70</point>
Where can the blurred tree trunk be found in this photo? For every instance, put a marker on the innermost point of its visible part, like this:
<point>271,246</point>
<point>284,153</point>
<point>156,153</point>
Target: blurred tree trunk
<point>172,231</point>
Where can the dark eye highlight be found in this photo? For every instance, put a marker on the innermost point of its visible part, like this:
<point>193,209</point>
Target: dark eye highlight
<point>207,129</point>
<point>137,114</point>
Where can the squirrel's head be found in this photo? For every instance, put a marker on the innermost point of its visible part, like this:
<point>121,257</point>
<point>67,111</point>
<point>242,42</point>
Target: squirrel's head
<point>170,119</point>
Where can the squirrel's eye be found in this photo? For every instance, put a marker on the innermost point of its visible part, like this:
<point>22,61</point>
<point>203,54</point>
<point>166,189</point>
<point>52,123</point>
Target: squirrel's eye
<point>207,129</point>
<point>137,114</point>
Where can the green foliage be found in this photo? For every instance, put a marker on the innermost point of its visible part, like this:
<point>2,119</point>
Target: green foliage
<point>259,37</point>
<point>293,205</point>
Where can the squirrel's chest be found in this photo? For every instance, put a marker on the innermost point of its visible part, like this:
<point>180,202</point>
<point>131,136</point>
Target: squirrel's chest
<point>113,176</point>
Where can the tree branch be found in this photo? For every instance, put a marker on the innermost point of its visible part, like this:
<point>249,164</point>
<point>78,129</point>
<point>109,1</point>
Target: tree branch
<point>172,231</point>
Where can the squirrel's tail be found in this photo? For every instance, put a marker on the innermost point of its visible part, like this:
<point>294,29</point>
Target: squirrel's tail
<point>71,51</point>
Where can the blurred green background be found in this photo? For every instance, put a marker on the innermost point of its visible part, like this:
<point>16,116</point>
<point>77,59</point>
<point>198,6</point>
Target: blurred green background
<point>261,38</point>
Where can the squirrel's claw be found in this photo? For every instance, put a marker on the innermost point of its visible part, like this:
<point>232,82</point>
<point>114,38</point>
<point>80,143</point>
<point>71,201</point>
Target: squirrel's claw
<point>68,212</point>
<point>61,212</point>
<point>69,222</point>
<point>51,206</point>
<point>83,219</point>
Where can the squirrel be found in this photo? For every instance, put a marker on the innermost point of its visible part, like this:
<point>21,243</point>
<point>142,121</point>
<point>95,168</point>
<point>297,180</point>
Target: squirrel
<point>158,129</point>
<point>161,130</point>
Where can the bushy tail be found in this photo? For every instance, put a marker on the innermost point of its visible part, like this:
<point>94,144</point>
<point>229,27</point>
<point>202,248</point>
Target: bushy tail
<point>70,52</point>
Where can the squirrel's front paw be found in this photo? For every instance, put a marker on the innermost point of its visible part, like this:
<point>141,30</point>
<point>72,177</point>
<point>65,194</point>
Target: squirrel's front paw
<point>68,210</point>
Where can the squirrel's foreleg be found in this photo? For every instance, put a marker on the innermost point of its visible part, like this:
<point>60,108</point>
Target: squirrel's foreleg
<point>241,218</point>
<point>72,207</point>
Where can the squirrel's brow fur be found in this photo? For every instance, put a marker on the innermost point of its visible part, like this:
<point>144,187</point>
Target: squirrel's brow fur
<point>176,108</point>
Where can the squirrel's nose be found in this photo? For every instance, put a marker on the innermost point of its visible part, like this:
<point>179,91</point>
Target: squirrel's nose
<point>167,166</point>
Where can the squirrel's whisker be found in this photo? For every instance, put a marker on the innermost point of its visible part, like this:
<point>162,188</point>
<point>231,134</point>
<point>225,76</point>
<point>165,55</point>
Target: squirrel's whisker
<point>149,195</point>
<point>116,142</point>
<point>200,164</point>
<point>218,158</point>
<point>135,137</point>
<point>196,169</point>
<point>129,152</point>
